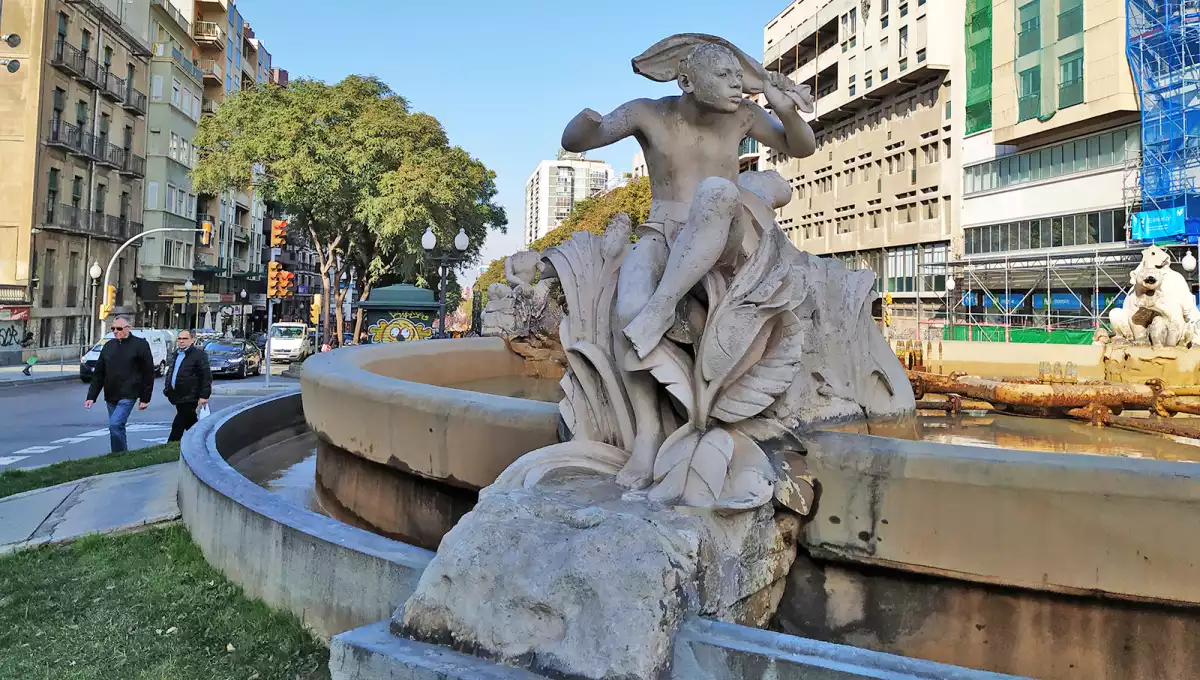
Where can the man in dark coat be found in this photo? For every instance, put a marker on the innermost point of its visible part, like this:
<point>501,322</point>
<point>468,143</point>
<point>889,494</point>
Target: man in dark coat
<point>188,384</point>
<point>125,372</point>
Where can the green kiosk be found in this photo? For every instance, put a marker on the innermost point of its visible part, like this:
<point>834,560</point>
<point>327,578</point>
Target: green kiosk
<point>400,313</point>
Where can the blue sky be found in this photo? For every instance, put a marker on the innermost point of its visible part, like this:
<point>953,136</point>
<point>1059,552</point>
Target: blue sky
<point>503,76</point>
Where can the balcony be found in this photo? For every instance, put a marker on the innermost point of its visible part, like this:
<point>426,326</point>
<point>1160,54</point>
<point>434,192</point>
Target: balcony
<point>69,218</point>
<point>209,34</point>
<point>189,67</point>
<point>134,166</point>
<point>1030,38</point>
<point>114,87</point>
<point>211,72</point>
<point>1029,106</point>
<point>65,136</point>
<point>174,14</point>
<point>14,294</point>
<point>120,228</point>
<point>134,101</point>
<point>1070,22</point>
<point>241,233</point>
<point>68,59</point>
<point>94,75</point>
<point>206,262</point>
<point>107,154</point>
<point>208,106</point>
<point>1070,93</point>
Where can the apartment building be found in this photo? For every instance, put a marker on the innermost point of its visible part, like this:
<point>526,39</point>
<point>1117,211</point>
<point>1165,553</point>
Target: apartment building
<point>883,189</point>
<point>1052,148</point>
<point>73,140</point>
<point>176,88</point>
<point>230,58</point>
<point>554,188</point>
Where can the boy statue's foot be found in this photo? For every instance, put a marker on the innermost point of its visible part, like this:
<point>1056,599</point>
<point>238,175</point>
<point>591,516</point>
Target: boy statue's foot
<point>648,327</point>
<point>638,472</point>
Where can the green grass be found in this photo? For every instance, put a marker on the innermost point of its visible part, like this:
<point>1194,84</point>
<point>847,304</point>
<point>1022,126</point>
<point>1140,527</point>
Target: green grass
<point>142,606</point>
<point>17,481</point>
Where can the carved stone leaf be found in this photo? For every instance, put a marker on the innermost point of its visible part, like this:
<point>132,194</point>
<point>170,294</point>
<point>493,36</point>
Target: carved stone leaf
<point>751,480</point>
<point>690,469</point>
<point>770,377</point>
<point>672,368</point>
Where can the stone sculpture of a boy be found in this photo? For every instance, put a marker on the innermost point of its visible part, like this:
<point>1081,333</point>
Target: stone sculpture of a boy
<point>691,146</point>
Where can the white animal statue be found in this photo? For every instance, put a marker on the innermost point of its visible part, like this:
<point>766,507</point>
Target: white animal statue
<point>1160,310</point>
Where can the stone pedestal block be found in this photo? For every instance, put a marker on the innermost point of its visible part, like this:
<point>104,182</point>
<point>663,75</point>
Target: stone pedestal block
<point>572,580</point>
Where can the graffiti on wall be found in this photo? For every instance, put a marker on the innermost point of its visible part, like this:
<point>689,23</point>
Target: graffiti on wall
<point>11,333</point>
<point>400,326</point>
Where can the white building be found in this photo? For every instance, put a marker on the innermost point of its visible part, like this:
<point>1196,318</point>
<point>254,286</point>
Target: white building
<point>639,165</point>
<point>554,188</point>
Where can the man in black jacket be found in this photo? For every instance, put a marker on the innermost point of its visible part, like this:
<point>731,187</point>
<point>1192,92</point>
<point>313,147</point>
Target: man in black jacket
<point>188,384</point>
<point>125,371</point>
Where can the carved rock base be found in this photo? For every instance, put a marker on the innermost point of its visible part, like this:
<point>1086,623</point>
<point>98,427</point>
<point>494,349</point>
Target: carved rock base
<point>572,580</point>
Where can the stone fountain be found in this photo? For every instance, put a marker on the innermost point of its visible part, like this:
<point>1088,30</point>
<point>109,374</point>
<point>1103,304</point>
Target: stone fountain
<point>729,454</point>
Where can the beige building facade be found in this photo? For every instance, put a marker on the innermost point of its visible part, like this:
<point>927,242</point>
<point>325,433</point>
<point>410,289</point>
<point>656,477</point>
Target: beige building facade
<point>883,189</point>
<point>73,137</point>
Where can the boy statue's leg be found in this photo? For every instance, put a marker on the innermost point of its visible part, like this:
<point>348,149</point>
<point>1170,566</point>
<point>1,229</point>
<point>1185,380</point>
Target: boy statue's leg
<point>696,250</point>
<point>640,274</point>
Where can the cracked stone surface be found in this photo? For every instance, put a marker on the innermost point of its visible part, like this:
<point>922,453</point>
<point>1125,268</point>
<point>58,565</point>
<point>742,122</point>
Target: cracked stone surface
<point>101,504</point>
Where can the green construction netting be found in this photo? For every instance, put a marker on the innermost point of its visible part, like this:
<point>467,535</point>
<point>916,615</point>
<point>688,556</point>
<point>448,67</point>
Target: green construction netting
<point>979,65</point>
<point>990,333</point>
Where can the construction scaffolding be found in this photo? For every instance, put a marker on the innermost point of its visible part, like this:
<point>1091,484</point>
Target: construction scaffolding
<point>1059,298</point>
<point>1163,47</point>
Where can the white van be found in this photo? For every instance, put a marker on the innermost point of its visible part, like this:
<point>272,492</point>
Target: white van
<point>162,344</point>
<point>289,342</point>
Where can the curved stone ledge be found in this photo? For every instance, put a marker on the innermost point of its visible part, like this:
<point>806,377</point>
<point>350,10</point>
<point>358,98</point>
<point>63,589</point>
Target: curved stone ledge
<point>1077,524</point>
<point>333,576</point>
<point>389,404</point>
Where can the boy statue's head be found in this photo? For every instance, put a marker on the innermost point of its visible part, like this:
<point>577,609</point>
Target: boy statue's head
<point>712,76</point>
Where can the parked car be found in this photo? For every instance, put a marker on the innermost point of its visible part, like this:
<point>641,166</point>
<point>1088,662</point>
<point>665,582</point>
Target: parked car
<point>234,357</point>
<point>161,343</point>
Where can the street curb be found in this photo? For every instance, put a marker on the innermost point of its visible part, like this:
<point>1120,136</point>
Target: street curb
<point>253,391</point>
<point>37,380</point>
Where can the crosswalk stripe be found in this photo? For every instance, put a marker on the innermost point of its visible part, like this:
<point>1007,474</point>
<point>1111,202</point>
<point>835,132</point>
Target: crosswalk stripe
<point>70,440</point>
<point>36,449</point>
<point>9,460</point>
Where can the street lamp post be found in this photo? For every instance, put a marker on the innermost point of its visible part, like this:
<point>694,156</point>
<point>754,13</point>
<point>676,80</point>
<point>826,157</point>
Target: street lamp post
<point>187,303</point>
<point>243,296</point>
<point>94,272</point>
<point>444,258</point>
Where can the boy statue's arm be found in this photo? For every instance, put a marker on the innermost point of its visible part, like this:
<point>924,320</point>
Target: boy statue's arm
<point>589,130</point>
<point>787,133</point>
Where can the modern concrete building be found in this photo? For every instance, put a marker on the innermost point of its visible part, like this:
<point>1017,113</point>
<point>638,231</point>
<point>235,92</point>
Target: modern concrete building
<point>554,188</point>
<point>883,189</point>
<point>1053,147</point>
<point>176,89</point>
<point>73,140</point>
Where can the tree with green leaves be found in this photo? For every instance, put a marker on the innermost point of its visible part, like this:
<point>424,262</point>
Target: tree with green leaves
<point>592,214</point>
<point>356,170</point>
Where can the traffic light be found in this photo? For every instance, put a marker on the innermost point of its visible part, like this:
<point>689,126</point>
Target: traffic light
<point>278,233</point>
<point>287,284</point>
<point>274,280</point>
<point>314,311</point>
<point>110,301</point>
<point>206,233</point>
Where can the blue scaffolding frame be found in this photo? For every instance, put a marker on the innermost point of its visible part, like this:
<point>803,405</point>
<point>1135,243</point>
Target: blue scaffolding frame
<point>1163,48</point>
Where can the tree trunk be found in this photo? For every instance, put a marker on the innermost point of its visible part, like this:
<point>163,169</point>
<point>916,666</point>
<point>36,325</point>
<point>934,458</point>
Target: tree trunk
<point>326,257</point>
<point>358,314</point>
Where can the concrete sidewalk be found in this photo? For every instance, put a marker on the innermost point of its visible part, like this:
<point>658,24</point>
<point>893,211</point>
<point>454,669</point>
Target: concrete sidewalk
<point>42,373</point>
<point>118,501</point>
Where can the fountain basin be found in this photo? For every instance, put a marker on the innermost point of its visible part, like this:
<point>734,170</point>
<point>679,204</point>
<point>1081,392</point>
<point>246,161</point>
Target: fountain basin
<point>393,433</point>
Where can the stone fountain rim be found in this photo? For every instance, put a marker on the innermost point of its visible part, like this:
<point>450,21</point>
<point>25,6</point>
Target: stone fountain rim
<point>203,458</point>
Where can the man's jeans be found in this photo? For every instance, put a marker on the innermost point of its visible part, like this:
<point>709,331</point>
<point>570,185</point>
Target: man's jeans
<point>118,415</point>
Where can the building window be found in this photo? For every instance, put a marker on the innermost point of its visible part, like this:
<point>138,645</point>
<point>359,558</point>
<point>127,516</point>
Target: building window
<point>152,196</point>
<point>52,194</point>
<point>107,65</point>
<point>883,21</point>
<point>63,22</point>
<point>1029,98</point>
<point>81,114</point>
<point>902,43</point>
<point>904,9</point>
<point>60,105</point>
<point>1070,79</point>
<point>101,198</point>
<point>156,88</point>
<point>1070,18</point>
<point>85,41</point>
<point>921,56</point>
<point>1029,38</point>
<point>1080,229</point>
<point>883,74</point>
<point>175,92</point>
<point>77,192</point>
<point>48,279</point>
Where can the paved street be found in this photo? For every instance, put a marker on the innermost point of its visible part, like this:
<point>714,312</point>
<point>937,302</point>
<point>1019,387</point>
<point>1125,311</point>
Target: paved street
<point>47,423</point>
